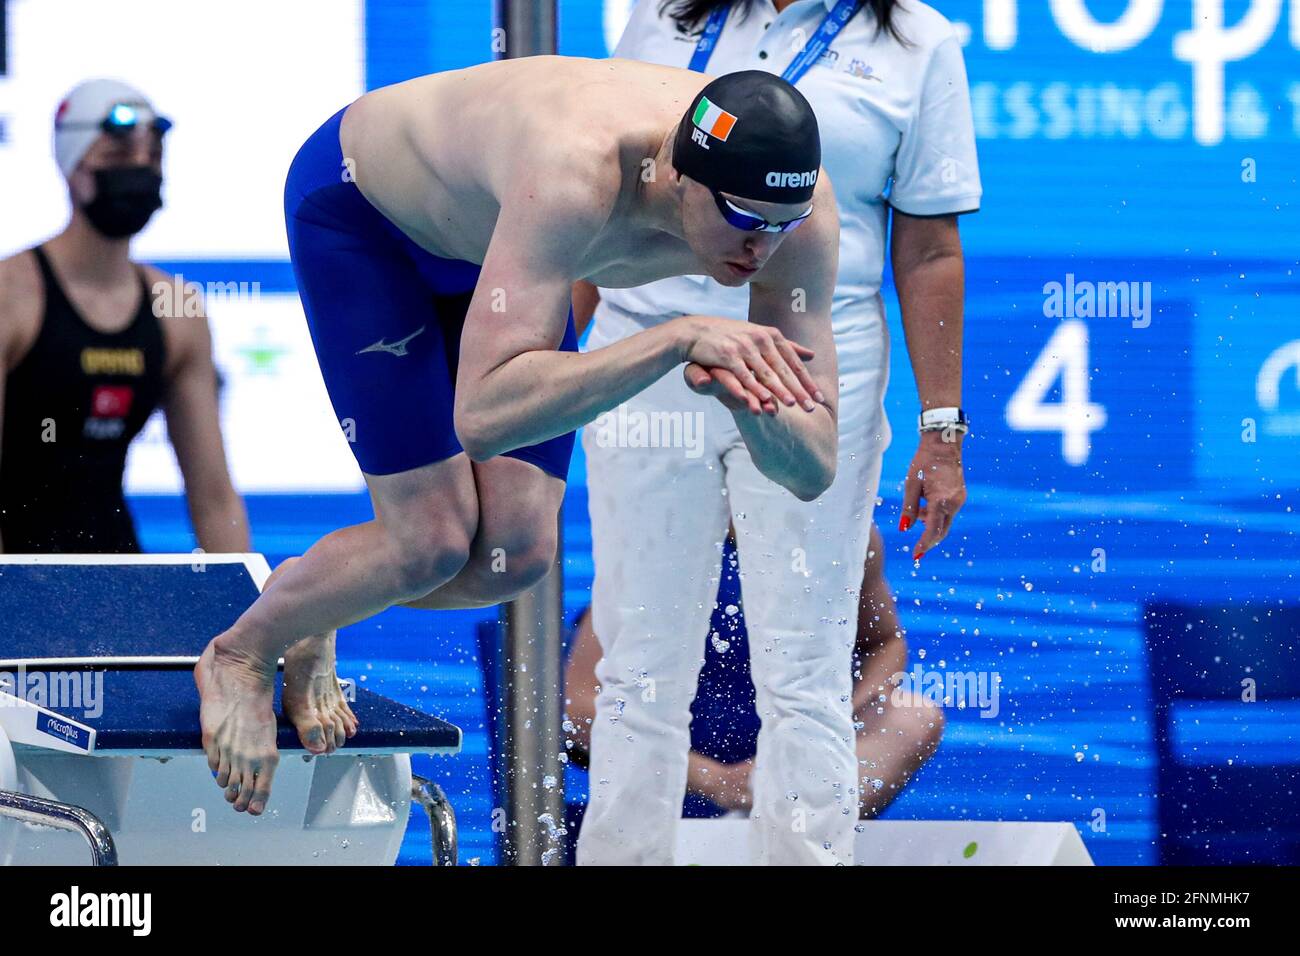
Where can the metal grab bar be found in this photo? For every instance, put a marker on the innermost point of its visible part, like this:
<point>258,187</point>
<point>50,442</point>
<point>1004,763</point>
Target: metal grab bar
<point>64,816</point>
<point>442,820</point>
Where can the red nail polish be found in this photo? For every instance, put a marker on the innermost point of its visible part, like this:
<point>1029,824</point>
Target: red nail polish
<point>904,523</point>
<point>918,554</point>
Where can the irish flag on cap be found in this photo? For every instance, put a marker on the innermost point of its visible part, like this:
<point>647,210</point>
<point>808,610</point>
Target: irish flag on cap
<point>713,119</point>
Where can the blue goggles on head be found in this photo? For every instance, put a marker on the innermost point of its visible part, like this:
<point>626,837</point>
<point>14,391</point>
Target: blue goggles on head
<point>748,222</point>
<point>121,120</point>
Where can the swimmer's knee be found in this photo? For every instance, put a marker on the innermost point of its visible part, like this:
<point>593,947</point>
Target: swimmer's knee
<point>430,537</point>
<point>533,562</point>
<point>426,564</point>
<point>280,568</point>
<point>504,572</point>
<point>527,570</point>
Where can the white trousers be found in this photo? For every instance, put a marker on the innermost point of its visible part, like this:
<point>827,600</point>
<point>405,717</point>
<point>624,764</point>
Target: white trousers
<point>659,516</point>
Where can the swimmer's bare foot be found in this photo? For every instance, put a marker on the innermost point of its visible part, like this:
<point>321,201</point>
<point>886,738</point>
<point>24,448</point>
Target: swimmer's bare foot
<point>238,719</point>
<point>312,699</point>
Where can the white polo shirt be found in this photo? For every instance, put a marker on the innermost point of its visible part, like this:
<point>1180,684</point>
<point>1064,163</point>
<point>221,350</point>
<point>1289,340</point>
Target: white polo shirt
<point>895,125</point>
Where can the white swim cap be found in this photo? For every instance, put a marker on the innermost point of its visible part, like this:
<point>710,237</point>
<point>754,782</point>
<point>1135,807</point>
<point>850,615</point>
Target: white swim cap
<point>80,117</point>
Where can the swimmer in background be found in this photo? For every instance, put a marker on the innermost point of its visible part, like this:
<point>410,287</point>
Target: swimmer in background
<point>91,344</point>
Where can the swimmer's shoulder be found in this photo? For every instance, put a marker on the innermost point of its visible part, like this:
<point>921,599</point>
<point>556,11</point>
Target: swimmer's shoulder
<point>605,119</point>
<point>22,300</point>
<point>570,191</point>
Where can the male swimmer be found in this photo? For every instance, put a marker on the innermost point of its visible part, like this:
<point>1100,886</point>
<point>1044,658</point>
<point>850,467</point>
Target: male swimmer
<point>436,228</point>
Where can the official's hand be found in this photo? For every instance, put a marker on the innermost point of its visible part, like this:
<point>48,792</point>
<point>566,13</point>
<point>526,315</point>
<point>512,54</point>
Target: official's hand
<point>936,476</point>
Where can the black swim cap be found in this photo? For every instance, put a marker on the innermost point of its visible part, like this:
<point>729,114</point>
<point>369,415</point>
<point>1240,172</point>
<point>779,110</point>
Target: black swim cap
<point>753,135</point>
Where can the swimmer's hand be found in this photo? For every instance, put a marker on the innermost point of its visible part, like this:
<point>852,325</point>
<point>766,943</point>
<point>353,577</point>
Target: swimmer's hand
<point>754,365</point>
<point>726,388</point>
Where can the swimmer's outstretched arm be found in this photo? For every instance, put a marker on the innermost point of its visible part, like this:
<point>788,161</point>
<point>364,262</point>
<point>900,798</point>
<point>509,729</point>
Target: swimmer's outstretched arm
<point>513,389</point>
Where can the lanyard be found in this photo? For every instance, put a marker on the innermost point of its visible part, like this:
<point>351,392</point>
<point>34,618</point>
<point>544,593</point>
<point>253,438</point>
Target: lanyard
<point>834,22</point>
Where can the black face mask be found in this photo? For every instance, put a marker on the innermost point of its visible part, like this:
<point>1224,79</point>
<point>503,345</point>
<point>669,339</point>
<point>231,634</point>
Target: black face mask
<point>125,198</point>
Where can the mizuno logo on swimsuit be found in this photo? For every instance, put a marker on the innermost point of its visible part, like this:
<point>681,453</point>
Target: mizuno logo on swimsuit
<point>392,348</point>
<point>792,180</point>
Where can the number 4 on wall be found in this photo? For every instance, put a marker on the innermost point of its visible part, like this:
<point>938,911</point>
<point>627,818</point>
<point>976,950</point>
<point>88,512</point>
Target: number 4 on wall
<point>1065,356</point>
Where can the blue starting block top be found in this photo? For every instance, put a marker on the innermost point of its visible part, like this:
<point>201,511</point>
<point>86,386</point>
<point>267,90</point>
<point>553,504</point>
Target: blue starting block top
<point>123,612</point>
<point>123,633</point>
<point>137,710</point>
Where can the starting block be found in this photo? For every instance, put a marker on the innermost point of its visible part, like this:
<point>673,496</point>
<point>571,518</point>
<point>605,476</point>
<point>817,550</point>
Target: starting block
<point>99,729</point>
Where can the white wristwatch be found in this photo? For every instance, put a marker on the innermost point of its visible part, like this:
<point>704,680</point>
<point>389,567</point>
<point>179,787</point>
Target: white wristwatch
<point>942,419</point>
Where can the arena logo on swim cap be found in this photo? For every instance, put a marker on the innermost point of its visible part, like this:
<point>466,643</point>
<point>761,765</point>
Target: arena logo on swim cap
<point>791,180</point>
<point>713,120</point>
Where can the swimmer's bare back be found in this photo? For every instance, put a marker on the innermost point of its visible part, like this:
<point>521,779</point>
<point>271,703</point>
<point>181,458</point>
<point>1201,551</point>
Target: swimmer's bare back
<point>439,155</point>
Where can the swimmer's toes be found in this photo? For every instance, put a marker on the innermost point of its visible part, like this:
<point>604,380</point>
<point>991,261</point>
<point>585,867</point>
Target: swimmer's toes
<point>329,734</point>
<point>248,791</point>
<point>259,785</point>
<point>301,711</point>
<point>310,732</point>
<point>350,720</point>
<point>238,792</point>
<point>345,723</point>
<point>222,770</point>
